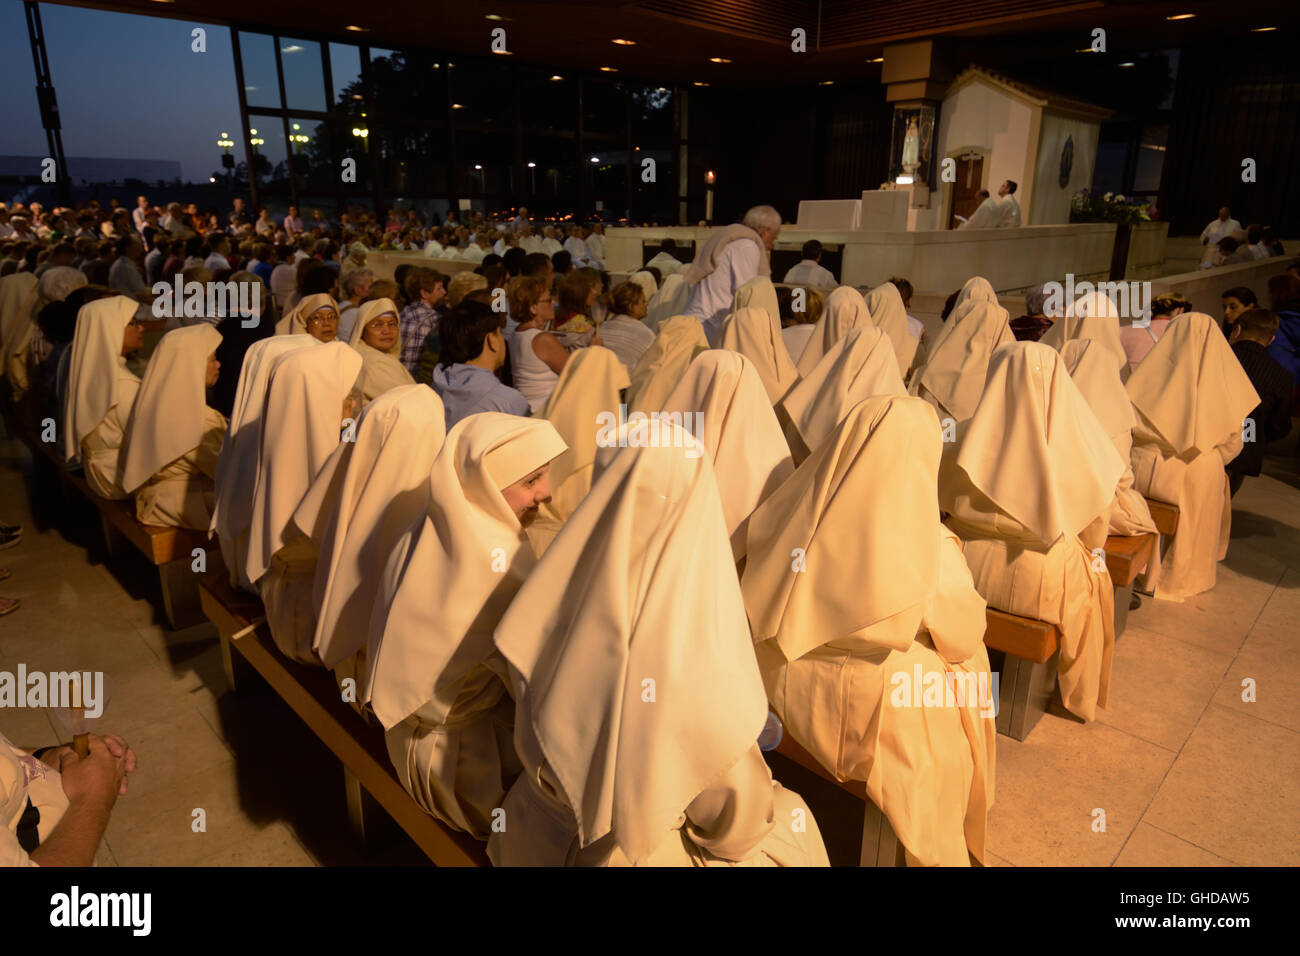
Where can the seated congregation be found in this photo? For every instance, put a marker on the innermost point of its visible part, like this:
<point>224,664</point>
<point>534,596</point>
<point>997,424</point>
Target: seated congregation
<point>571,555</point>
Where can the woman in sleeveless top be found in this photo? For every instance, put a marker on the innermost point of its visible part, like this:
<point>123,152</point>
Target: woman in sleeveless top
<point>536,356</point>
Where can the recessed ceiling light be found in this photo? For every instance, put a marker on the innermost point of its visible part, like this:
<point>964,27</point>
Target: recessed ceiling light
<point>357,29</point>
<point>608,69</point>
<point>556,78</point>
<point>457,106</point>
<point>532,165</point>
<point>879,59</point>
<point>1182,16</point>
<point>826,83</point>
<point>1128,63</point>
<point>698,83</point>
<point>621,42</point>
<point>718,59</point>
<point>1262,29</point>
<point>496,16</point>
<point>503,52</point>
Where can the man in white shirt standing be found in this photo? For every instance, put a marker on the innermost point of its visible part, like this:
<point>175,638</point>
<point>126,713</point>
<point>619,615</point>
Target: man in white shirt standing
<point>1220,228</point>
<point>810,271</point>
<point>727,260</point>
<point>1008,207</point>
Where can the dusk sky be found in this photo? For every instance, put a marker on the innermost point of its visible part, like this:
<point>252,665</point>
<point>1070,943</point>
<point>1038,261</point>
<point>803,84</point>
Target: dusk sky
<point>128,87</point>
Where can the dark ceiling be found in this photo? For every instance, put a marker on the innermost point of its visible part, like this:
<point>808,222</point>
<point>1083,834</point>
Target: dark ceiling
<point>675,39</point>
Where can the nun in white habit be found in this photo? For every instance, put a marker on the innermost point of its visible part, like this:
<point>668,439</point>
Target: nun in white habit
<point>236,475</point>
<point>639,698</point>
<point>310,396</point>
<point>377,338</point>
<point>173,438</point>
<point>435,681</point>
<point>101,391</point>
<point>369,494</point>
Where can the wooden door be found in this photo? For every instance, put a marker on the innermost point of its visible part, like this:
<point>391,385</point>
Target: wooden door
<point>970,173</point>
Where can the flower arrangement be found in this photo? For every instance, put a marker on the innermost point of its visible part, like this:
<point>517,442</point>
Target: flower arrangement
<point>1090,206</point>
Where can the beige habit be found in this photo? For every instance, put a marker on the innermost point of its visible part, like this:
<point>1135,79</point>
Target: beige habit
<point>876,606</point>
<point>952,378</point>
<point>436,682</point>
<point>1029,486</point>
<point>889,315</point>
<point>101,391</point>
<point>845,310</point>
<point>638,596</point>
<point>1192,398</point>
<point>659,370</point>
<point>169,457</point>
<point>382,370</point>
<point>756,334</point>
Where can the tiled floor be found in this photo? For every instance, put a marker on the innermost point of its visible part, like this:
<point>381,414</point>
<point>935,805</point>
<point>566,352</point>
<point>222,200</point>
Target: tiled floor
<point>1179,768</point>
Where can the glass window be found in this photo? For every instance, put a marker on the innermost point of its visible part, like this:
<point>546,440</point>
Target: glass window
<point>304,80</point>
<point>261,87</point>
<point>1150,160</point>
<point>270,159</point>
<point>345,71</point>
<point>410,87</point>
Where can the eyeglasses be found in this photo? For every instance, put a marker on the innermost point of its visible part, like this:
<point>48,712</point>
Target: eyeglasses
<point>322,318</point>
<point>383,324</point>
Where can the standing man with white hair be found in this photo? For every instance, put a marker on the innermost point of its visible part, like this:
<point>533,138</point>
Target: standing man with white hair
<point>727,260</point>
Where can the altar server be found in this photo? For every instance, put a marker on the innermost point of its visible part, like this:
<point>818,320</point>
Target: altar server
<point>169,457</point>
<point>845,655</point>
<point>638,595</point>
<point>1028,487</point>
<point>1192,398</point>
<point>436,682</point>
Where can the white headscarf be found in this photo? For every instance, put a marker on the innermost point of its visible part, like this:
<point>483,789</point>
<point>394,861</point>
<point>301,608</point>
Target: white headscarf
<point>294,322</point>
<point>300,428</point>
<point>756,334</point>
<point>448,582</point>
<point>1094,316</point>
<point>370,492</point>
<point>845,310</point>
<point>17,296</point>
<point>1034,447</point>
<point>890,316</point>
<point>94,368</point>
<point>859,366</point>
<point>975,289</point>
<point>638,586</point>
<point>647,283</point>
<point>660,367</point>
<point>668,301</point>
<point>955,372</point>
<point>383,370</point>
<point>237,464</point>
<point>171,408</point>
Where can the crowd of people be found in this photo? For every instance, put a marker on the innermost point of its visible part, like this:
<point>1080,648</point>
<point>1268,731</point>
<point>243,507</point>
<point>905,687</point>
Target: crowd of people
<point>570,543</point>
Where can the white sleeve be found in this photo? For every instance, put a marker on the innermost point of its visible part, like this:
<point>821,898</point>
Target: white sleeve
<point>743,258</point>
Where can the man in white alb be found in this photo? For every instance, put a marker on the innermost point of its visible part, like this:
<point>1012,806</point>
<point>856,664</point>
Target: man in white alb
<point>665,259</point>
<point>728,259</point>
<point>986,215</point>
<point>1008,207</point>
<point>1219,228</point>
<point>596,241</point>
<point>810,271</point>
<point>550,245</point>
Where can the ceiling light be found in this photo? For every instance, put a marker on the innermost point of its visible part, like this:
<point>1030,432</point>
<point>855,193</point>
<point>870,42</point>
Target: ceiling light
<point>556,78</point>
<point>698,83</point>
<point>718,59</point>
<point>1086,50</point>
<point>608,69</point>
<point>1129,63</point>
<point>1262,29</point>
<point>532,165</point>
<point>1181,16</point>
<point>457,106</point>
<point>503,52</point>
<point>357,29</point>
<point>477,166</point>
<point>496,16</point>
<point>879,59</point>
<point>595,159</point>
<point>622,42</point>
<point>826,83</point>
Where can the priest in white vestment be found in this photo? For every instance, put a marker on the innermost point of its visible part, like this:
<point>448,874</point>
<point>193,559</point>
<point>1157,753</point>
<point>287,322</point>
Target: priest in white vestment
<point>728,259</point>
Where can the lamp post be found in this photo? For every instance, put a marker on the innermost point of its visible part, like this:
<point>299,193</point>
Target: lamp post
<point>709,180</point>
<point>227,161</point>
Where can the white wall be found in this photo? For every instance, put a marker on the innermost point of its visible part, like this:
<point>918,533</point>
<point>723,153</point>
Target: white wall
<point>980,116</point>
<point>1051,202</point>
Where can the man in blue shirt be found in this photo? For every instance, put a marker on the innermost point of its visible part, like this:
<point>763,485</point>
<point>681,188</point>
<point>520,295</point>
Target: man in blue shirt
<point>473,348</point>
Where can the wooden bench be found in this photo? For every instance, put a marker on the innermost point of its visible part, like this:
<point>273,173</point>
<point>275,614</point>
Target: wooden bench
<point>1127,556</point>
<point>880,845</point>
<point>1164,515</point>
<point>315,697</point>
<point>169,549</point>
<point>1030,648</point>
